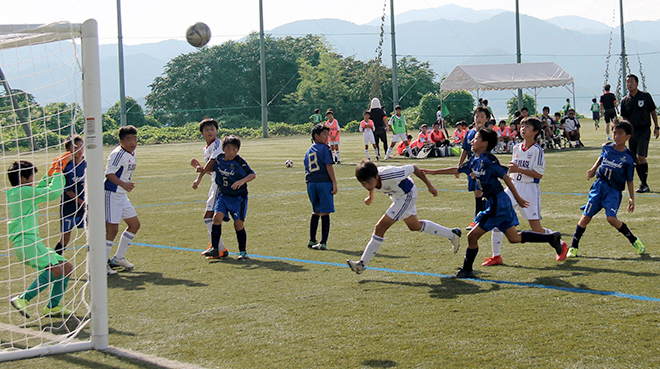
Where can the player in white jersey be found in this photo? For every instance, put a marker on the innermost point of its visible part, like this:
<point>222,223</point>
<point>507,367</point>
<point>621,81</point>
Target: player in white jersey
<point>396,183</point>
<point>118,174</point>
<point>209,130</point>
<point>526,170</point>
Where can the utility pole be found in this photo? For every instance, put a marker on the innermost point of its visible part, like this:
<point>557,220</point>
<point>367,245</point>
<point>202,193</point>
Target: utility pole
<point>122,92</point>
<point>623,52</point>
<point>262,62</point>
<point>518,54</point>
<point>395,81</point>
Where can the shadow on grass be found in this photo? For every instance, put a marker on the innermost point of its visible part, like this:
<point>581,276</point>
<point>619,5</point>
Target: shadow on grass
<point>375,363</point>
<point>135,281</point>
<point>358,253</point>
<point>275,265</point>
<point>127,362</point>
<point>447,289</point>
<point>573,266</point>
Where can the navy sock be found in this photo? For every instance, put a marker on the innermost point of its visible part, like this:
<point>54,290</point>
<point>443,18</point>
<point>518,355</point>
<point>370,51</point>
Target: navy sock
<point>313,226</point>
<point>468,261</point>
<point>529,236</point>
<point>325,228</point>
<point>59,248</point>
<point>579,231</point>
<point>241,237</point>
<point>626,232</point>
<point>216,234</point>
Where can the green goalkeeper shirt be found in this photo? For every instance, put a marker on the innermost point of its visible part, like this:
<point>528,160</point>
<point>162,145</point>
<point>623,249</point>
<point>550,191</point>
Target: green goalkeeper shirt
<point>23,204</point>
<point>595,107</point>
<point>398,124</point>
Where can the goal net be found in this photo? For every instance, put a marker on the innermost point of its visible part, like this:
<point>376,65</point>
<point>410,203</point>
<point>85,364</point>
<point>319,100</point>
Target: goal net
<point>44,100</point>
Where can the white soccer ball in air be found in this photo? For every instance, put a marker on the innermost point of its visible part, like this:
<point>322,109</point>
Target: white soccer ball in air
<point>288,163</point>
<point>198,34</point>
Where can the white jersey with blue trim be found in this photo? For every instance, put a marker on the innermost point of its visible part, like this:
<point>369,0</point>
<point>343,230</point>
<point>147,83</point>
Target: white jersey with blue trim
<point>395,181</point>
<point>211,151</point>
<point>531,158</point>
<point>122,164</point>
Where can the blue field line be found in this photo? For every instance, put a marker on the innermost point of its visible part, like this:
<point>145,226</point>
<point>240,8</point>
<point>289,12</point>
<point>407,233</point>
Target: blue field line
<point>426,274</point>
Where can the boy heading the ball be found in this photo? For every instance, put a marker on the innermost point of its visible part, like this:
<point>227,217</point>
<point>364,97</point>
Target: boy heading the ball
<point>397,184</point>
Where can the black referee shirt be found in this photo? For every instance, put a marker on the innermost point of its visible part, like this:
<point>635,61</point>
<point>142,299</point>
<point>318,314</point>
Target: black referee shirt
<point>637,109</point>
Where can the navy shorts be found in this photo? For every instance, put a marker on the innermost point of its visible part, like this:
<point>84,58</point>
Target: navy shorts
<point>236,206</point>
<point>472,184</point>
<point>596,115</point>
<point>68,223</point>
<point>499,214</point>
<point>321,197</point>
<point>602,196</point>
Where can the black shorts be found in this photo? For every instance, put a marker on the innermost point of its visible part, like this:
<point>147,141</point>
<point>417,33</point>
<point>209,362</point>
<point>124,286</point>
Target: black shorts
<point>609,115</point>
<point>596,115</point>
<point>639,142</point>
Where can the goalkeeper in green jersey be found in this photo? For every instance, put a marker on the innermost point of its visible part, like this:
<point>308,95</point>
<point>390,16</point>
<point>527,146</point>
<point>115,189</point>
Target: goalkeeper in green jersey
<point>23,200</point>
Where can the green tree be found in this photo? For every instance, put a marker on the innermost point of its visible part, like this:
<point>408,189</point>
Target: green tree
<point>460,105</point>
<point>528,102</point>
<point>416,79</point>
<point>134,114</point>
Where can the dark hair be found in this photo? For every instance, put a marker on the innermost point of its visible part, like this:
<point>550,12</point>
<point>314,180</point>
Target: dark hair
<point>485,102</point>
<point>231,140</point>
<point>571,110</point>
<point>536,124</point>
<point>461,123</point>
<point>367,112</point>
<point>207,122</point>
<point>329,111</point>
<point>633,77</point>
<point>546,108</point>
<point>483,110</point>
<point>425,126</point>
<point>68,144</point>
<point>607,87</point>
<point>489,136</point>
<point>439,107</point>
<point>318,128</point>
<point>623,125</point>
<point>366,170</point>
<point>398,107</point>
<point>557,113</point>
<point>524,109</point>
<point>127,130</point>
<point>517,113</point>
<point>502,121</point>
<point>317,111</point>
<point>568,99</point>
<point>18,170</point>
<point>594,99</point>
<point>491,121</point>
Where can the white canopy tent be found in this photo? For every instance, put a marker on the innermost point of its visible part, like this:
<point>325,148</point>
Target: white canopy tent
<point>532,76</point>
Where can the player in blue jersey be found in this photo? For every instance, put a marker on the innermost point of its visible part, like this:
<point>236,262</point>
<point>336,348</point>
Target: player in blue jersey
<point>481,116</point>
<point>232,173</point>
<point>499,213</point>
<point>321,185</point>
<point>72,207</point>
<point>396,183</point>
<point>614,171</point>
<point>118,174</point>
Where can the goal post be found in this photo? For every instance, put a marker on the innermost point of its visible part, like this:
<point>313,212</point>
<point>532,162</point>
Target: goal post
<point>50,91</point>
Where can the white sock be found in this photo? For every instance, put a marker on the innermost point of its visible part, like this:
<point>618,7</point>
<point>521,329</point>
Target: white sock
<point>209,226</point>
<point>496,239</point>
<point>389,151</point>
<point>124,241</point>
<point>548,231</point>
<point>338,156</point>
<point>410,155</point>
<point>372,249</point>
<point>108,249</point>
<point>436,229</point>
<point>377,152</point>
<point>334,155</point>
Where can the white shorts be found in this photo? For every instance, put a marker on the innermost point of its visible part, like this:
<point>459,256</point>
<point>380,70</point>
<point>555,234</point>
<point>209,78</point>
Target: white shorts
<point>403,207</point>
<point>333,142</point>
<point>213,195</point>
<point>399,137</point>
<point>118,207</point>
<point>368,138</point>
<point>531,193</point>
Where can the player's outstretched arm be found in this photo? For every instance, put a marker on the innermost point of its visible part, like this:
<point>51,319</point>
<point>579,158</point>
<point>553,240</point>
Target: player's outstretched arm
<point>509,183</point>
<point>420,174</point>
<point>452,170</point>
<point>631,193</point>
<point>207,169</point>
<point>592,172</point>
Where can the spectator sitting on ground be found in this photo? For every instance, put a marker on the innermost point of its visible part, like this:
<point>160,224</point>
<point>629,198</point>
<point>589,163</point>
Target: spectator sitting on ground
<point>459,133</point>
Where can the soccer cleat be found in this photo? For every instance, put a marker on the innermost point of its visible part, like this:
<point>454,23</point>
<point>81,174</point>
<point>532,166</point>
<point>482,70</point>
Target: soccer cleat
<point>57,311</point>
<point>643,189</point>
<point>639,246</point>
<point>564,251</point>
<point>111,271</point>
<point>21,305</point>
<point>207,249</point>
<point>572,252</point>
<point>460,273</point>
<point>242,255</point>
<point>556,242</point>
<point>215,254</point>
<point>492,261</point>
<point>455,239</point>
<point>377,157</point>
<point>356,266</point>
<point>311,243</point>
<point>122,262</point>
<point>338,162</point>
<point>319,246</point>
<point>472,225</point>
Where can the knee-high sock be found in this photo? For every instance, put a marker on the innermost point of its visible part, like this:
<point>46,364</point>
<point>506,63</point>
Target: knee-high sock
<point>624,230</point>
<point>42,281</point>
<point>436,229</point>
<point>389,151</point>
<point>325,228</point>
<point>241,237</point>
<point>57,291</point>
<point>216,233</point>
<point>643,172</point>
<point>529,236</point>
<point>108,248</point>
<point>579,231</point>
<point>124,241</point>
<point>496,239</point>
<point>209,227</point>
<point>338,155</point>
<point>313,227</point>
<point>468,261</point>
<point>372,249</point>
<point>410,154</point>
<point>367,152</point>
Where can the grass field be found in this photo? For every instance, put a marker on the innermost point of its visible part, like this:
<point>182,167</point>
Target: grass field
<point>289,306</point>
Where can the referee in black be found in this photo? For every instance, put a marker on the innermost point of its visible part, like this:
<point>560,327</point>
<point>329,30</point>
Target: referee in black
<point>638,108</point>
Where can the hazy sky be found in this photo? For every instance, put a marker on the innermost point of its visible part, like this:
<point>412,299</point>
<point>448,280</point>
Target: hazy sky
<point>147,21</point>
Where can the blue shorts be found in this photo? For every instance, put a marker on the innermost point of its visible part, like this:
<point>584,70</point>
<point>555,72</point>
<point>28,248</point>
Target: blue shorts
<point>68,223</point>
<point>321,197</point>
<point>602,196</point>
<point>499,214</point>
<point>472,184</point>
<point>234,205</point>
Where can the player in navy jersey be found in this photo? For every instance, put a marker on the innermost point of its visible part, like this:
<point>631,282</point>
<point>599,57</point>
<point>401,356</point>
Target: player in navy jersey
<point>614,171</point>
<point>321,185</point>
<point>481,116</point>
<point>499,212</point>
<point>72,207</point>
<point>232,173</point>
<point>396,183</point>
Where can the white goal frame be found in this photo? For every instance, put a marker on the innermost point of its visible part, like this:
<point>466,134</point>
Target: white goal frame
<point>87,32</point>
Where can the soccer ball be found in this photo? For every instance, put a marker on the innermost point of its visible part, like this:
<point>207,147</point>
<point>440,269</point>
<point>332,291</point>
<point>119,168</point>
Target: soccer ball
<point>198,34</point>
<point>288,163</point>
